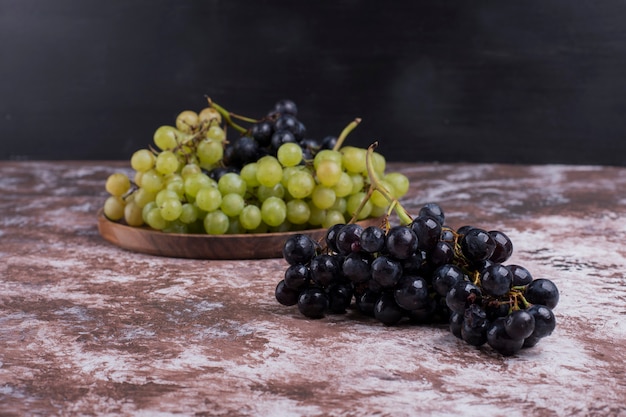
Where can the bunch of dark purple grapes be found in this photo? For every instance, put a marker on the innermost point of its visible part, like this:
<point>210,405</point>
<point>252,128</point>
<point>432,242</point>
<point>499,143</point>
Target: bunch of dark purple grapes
<point>423,272</point>
<point>280,125</point>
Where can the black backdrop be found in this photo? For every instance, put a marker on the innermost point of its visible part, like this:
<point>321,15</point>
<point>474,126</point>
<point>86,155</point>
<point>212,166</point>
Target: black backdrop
<point>479,81</point>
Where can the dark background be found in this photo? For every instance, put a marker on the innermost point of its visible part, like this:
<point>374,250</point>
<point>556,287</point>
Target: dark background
<point>478,81</point>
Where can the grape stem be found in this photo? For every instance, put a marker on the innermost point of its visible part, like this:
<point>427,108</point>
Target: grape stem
<point>376,185</point>
<point>345,132</point>
<point>226,115</point>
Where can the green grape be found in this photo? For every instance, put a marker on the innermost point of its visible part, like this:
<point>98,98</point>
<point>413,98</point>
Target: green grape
<point>171,208</point>
<point>317,215</point>
<point>378,163</point>
<point>340,205</point>
<point>354,159</point>
<point>332,218</point>
<point>232,183</point>
<point>248,174</point>
<point>189,213</point>
<point>114,208</point>
<point>232,204</point>
<point>210,152</point>
<point>216,133</point>
<point>358,183</point>
<point>155,220</point>
<point>301,184</point>
<point>344,186</point>
<point>378,199</point>
<point>175,182</point>
<point>163,195</point>
<point>117,184</point>
<point>216,223</point>
<point>269,171</point>
<point>137,178</point>
<point>289,154</point>
<point>234,227</point>
<point>323,197</point>
<point>273,211</point>
<point>298,212</point>
<point>263,192</point>
<point>208,199</point>
<point>209,115</point>
<point>146,209</point>
<point>187,121</point>
<point>398,182</point>
<point>167,162</point>
<point>194,182</point>
<point>353,203</point>
<point>142,160</point>
<point>328,172</point>
<point>190,169</point>
<point>133,214</point>
<point>288,173</point>
<point>166,137</point>
<point>250,217</point>
<point>152,181</point>
<point>176,227</point>
<point>378,211</point>
<point>142,197</point>
<point>327,155</point>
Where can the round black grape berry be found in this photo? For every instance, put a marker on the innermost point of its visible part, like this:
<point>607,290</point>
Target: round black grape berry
<point>372,239</point>
<point>280,137</point>
<point>247,149</point>
<point>411,293</point>
<point>356,267</point>
<point>401,242</point>
<point>477,245</point>
<point>387,311</point>
<point>349,238</point>
<point>285,295</point>
<point>504,247</point>
<point>366,301</point>
<point>545,321</point>
<point>521,275</point>
<point>496,280</point>
<point>519,324</point>
<point>313,303</point>
<point>386,271</point>
<point>262,132</point>
<point>299,249</point>
<point>462,295</point>
<point>331,237</point>
<point>542,291</point>
<point>286,106</point>
<point>433,210</point>
<point>445,277</point>
<point>428,231</point>
<point>339,297</point>
<point>500,341</point>
<point>475,325</point>
<point>297,276</point>
<point>325,269</point>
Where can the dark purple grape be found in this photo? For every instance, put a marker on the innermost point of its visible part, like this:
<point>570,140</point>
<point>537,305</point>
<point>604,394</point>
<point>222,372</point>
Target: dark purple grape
<point>496,280</point>
<point>310,147</point>
<point>299,249</point>
<point>427,230</point>
<point>500,341</point>
<point>521,275</point>
<point>325,269</point>
<point>401,242</point>
<point>424,315</point>
<point>477,245</point>
<point>433,210</point>
<point>285,295</point>
<point>218,172</point>
<point>387,311</point>
<point>372,239</point>
<point>356,267</point>
<point>519,325</point>
<point>297,276</point>
<point>504,247</point>
<point>286,122</point>
<point>366,301</point>
<point>280,137</point>
<point>456,323</point>
<point>286,106</point>
<point>462,295</point>
<point>328,142</point>
<point>462,231</point>
<point>496,308</point>
<point>416,265</point>
<point>313,303</point>
<point>445,277</point>
<point>386,271</point>
<point>542,291</point>
<point>447,235</point>
<point>247,149</point>
<point>475,325</point>
<point>441,254</point>
<point>262,132</point>
<point>300,131</point>
<point>331,237</point>
<point>411,293</point>
<point>339,297</point>
<point>348,238</point>
<point>545,321</point>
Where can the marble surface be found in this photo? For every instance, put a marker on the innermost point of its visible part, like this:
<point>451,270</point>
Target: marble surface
<point>87,328</point>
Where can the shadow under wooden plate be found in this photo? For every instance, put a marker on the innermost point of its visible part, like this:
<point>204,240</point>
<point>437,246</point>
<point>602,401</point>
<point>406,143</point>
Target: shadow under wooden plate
<point>200,246</point>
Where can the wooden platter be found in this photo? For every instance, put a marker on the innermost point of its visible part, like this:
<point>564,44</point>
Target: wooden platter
<point>201,246</point>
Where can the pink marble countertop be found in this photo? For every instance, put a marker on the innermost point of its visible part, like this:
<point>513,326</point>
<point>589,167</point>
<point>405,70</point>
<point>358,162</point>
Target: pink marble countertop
<point>87,328</point>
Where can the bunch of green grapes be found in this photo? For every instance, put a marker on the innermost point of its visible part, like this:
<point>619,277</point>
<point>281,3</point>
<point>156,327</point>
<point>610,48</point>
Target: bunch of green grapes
<point>186,184</point>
